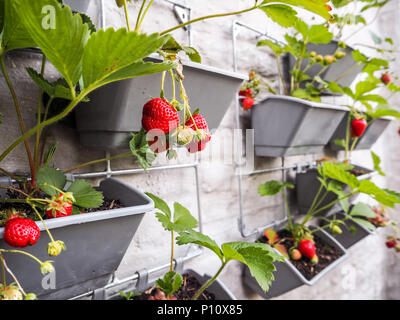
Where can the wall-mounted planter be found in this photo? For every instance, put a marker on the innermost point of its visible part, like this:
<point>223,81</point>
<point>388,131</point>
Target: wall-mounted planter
<point>347,238</point>
<point>288,277</point>
<point>78,5</point>
<point>115,110</point>
<point>96,243</point>
<point>218,289</point>
<point>344,69</point>
<point>374,130</point>
<point>287,126</point>
<point>307,186</point>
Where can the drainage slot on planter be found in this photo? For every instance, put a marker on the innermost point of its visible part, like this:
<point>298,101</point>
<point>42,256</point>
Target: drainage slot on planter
<point>115,110</point>
<point>288,277</point>
<point>374,130</point>
<point>286,126</point>
<point>307,186</point>
<point>343,72</point>
<point>96,243</point>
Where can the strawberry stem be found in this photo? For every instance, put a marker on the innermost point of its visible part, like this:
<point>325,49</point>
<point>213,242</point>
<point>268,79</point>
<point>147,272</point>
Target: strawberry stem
<point>41,219</point>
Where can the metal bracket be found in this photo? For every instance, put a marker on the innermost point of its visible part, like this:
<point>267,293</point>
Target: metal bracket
<point>182,15</point>
<point>179,263</point>
<point>99,294</point>
<point>142,283</point>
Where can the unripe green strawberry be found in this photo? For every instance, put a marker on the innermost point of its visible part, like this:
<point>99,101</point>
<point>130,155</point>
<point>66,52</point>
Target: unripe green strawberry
<point>46,267</point>
<point>342,45</point>
<point>315,260</point>
<point>30,296</point>
<point>185,135</point>
<point>319,58</point>
<point>313,54</point>
<point>120,3</point>
<point>54,248</point>
<point>340,54</point>
<point>295,254</point>
<point>336,230</point>
<point>329,59</point>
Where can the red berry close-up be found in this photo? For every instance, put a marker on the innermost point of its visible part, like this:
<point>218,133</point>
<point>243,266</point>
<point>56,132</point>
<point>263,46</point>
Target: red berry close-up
<point>386,79</point>
<point>358,127</point>
<point>247,103</point>
<point>159,114</point>
<point>391,243</point>
<point>201,124</point>
<point>21,232</point>
<point>307,248</point>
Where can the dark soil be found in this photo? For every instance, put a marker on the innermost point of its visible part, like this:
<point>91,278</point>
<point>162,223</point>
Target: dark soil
<point>326,254</point>
<point>108,204</point>
<point>359,172</point>
<point>186,292</point>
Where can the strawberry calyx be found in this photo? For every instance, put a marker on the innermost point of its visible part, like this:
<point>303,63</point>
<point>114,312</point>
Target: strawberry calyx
<point>60,205</point>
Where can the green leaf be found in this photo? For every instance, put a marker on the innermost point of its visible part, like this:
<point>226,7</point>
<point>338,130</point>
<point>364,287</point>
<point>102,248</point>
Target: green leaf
<point>382,196</point>
<point>362,210</point>
<point>160,204</point>
<point>108,52</point>
<point>319,34</point>
<point>377,163</point>
<point>341,3</point>
<point>283,15</point>
<point>49,154</point>
<point>170,283</point>
<point>15,35</point>
<point>54,90</point>
<point>258,257</point>
<point>141,150</point>
<point>359,57</point>
<point>193,54</point>
<point>61,37</point>
<point>363,87</point>
<point>373,98</point>
<point>337,172</point>
<point>194,237</point>
<point>274,46</point>
<point>383,110</point>
<point>272,187</point>
<point>364,223</point>
<point>317,6</point>
<point>183,220</point>
<point>85,195</point>
<point>50,176</point>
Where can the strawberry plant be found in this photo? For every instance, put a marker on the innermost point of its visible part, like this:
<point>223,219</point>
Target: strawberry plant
<point>257,256</point>
<point>88,59</point>
<point>249,91</point>
<point>333,177</point>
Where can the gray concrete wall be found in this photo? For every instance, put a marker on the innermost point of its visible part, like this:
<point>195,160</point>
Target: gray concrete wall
<point>367,273</point>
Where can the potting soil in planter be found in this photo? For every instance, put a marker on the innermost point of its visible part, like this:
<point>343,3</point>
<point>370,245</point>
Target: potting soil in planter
<point>186,292</point>
<point>326,255</point>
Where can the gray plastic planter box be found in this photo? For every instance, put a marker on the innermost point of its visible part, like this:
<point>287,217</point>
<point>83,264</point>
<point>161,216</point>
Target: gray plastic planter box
<point>288,277</point>
<point>115,110</point>
<point>220,291</point>
<point>347,239</point>
<point>287,126</point>
<point>78,5</point>
<point>96,243</point>
<point>307,186</point>
<point>344,68</point>
<point>374,130</point>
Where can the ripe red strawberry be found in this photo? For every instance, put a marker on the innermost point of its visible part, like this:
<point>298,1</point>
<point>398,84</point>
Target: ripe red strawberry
<point>391,243</point>
<point>307,248</point>
<point>386,79</point>
<point>60,206</point>
<point>159,114</point>
<point>21,232</point>
<point>248,103</point>
<point>358,127</point>
<point>158,141</point>
<point>246,93</point>
<point>201,124</point>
